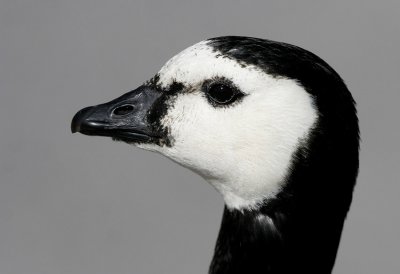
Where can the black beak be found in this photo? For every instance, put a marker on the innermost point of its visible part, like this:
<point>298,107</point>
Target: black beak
<point>124,118</point>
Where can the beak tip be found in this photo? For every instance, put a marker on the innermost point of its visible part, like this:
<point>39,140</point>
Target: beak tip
<point>75,126</point>
<point>79,118</point>
<point>74,129</point>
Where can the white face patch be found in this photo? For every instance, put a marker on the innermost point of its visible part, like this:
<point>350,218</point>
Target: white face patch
<point>244,150</point>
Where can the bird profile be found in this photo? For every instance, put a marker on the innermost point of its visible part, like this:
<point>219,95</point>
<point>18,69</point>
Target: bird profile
<point>271,126</point>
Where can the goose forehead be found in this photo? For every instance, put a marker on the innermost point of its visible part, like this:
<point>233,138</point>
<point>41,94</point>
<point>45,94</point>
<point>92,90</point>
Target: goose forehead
<point>202,61</point>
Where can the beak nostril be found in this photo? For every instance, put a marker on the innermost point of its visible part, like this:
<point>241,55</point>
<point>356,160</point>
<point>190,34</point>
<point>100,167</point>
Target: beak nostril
<point>122,110</point>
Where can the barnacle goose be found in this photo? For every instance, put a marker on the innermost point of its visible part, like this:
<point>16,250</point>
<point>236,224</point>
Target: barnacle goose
<point>271,126</point>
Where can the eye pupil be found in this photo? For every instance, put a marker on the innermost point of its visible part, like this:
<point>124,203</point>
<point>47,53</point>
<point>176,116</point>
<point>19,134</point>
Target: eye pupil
<point>221,94</point>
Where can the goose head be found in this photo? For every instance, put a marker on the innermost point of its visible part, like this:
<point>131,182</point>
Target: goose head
<point>271,126</point>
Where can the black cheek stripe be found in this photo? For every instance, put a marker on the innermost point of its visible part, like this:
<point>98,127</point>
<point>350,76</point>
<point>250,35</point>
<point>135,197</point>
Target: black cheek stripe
<point>160,108</point>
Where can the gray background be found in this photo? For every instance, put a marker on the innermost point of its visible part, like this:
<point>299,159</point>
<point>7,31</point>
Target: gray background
<point>74,204</point>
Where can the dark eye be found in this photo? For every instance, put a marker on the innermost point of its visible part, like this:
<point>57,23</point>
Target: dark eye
<point>222,94</point>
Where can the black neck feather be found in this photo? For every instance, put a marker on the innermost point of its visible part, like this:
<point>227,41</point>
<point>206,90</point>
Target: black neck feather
<point>275,242</point>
